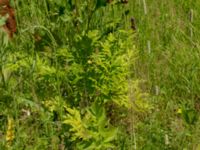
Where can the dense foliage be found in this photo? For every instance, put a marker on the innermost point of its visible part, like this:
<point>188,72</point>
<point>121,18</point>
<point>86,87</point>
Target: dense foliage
<point>100,74</point>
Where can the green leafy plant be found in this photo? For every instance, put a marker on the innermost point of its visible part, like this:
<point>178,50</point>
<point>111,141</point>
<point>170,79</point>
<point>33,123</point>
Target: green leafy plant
<point>92,130</point>
<point>69,78</point>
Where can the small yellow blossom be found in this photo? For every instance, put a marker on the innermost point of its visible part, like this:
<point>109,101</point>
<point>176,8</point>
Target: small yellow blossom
<point>10,131</point>
<point>179,111</point>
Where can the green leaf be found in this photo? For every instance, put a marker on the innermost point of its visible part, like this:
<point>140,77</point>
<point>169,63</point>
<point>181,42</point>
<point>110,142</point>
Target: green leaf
<point>3,21</point>
<point>110,135</point>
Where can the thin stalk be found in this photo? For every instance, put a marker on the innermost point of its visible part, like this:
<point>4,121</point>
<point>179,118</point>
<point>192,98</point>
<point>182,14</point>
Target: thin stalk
<point>2,77</point>
<point>191,21</point>
<point>145,7</point>
<point>149,46</point>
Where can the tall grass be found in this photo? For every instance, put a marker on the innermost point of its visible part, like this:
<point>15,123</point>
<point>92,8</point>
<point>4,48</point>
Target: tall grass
<point>171,30</point>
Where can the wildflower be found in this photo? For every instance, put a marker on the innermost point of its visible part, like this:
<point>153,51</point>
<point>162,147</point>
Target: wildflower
<point>179,111</point>
<point>10,131</point>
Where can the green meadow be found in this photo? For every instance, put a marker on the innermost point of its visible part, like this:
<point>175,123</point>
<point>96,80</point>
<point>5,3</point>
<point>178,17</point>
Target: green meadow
<point>101,75</point>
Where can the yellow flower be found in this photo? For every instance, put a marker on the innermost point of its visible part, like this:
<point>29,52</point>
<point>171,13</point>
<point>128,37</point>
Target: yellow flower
<point>10,131</point>
<point>179,111</point>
